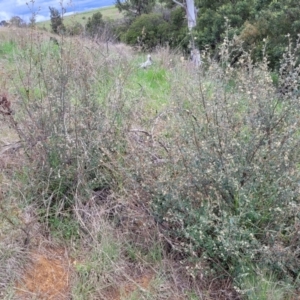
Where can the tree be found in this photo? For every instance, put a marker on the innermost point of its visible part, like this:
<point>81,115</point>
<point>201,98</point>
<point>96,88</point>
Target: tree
<point>95,24</point>
<point>56,21</point>
<point>178,33</point>
<point>4,23</point>
<point>134,8</point>
<point>16,21</point>
<point>188,6</point>
<point>277,22</point>
<point>262,25</point>
<point>191,15</point>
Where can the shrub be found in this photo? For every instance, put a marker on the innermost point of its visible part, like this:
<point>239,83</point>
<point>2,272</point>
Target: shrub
<point>69,125</point>
<point>211,154</point>
<point>95,25</point>
<point>147,31</point>
<point>156,29</point>
<point>224,169</point>
<point>74,29</point>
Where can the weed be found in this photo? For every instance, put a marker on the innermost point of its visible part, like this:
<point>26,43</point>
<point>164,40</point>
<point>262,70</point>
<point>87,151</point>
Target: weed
<point>64,227</point>
<point>258,285</point>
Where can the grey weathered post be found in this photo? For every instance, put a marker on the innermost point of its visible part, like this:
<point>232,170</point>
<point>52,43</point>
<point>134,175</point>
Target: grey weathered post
<point>191,14</point>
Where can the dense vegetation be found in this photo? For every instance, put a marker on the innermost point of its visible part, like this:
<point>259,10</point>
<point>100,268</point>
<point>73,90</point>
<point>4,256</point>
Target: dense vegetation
<point>258,24</point>
<point>191,173</point>
<point>205,162</point>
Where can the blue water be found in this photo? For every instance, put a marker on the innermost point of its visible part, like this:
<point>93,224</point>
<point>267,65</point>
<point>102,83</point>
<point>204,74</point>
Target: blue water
<point>106,2</point>
<point>91,4</point>
<point>8,8</point>
<point>81,6</point>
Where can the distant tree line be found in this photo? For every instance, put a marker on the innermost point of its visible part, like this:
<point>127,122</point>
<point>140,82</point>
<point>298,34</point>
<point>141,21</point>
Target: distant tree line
<point>95,26</point>
<point>262,25</point>
<point>15,21</point>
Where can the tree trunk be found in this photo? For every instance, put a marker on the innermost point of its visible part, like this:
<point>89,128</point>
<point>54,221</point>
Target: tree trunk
<point>191,13</point>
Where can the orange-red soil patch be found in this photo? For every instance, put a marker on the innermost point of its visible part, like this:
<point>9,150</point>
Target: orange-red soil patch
<point>142,282</point>
<point>138,285</point>
<point>46,279</point>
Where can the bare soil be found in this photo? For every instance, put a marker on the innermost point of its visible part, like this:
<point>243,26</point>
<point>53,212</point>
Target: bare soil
<point>48,278</point>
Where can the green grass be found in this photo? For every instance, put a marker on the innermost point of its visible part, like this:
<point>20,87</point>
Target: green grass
<point>7,48</point>
<point>152,83</point>
<point>109,13</point>
<point>258,285</point>
<point>65,227</point>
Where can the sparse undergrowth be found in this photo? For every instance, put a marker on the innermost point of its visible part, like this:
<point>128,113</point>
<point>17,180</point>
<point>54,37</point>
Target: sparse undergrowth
<point>179,176</point>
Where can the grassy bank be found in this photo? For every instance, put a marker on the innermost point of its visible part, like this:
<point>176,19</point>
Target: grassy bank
<point>109,13</point>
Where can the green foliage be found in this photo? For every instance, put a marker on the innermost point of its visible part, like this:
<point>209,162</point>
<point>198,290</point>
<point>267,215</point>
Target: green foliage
<point>99,264</point>
<point>151,30</point>
<point>211,21</point>
<point>274,23</point>
<point>168,3</point>
<point>7,48</point>
<point>228,189</point>
<point>154,78</point>
<point>147,31</point>
<point>75,28</point>
<point>57,25</point>
<point>152,254</point>
<point>212,157</point>
<point>255,284</point>
<point>17,21</point>
<point>178,35</point>
<point>253,21</point>
<point>95,24</point>
<point>135,8</point>
<point>64,227</point>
